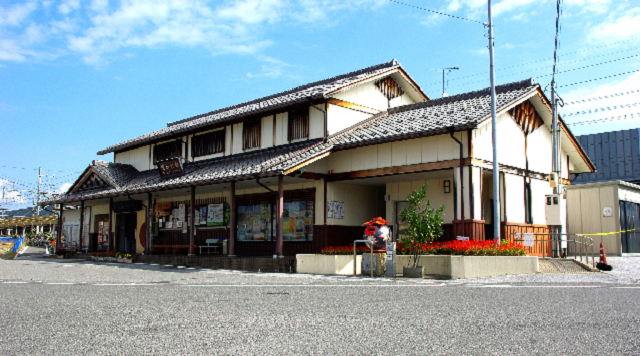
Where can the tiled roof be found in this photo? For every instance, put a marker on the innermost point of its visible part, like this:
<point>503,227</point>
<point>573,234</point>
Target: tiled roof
<point>296,95</point>
<point>463,110</point>
<point>263,162</point>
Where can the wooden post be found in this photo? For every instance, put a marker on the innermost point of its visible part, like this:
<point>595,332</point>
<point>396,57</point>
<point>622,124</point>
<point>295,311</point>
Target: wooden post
<point>147,247</point>
<point>324,208</point>
<point>110,241</point>
<point>81,223</point>
<point>279,209</point>
<point>192,231</point>
<point>59,237</point>
<point>232,221</point>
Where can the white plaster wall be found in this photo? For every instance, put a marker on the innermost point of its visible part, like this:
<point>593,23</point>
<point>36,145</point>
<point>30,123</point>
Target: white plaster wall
<point>366,95</point>
<point>435,193</point>
<point>404,99</point>
<point>282,120</point>
<point>237,138</point>
<point>514,196</point>
<point>477,192</point>
<point>460,194</point>
<point>539,188</point>
<point>138,158</point>
<point>361,203</point>
<point>339,118</point>
<point>316,121</point>
<point>510,142</point>
<point>266,132</point>
<point>400,153</point>
<point>539,150</point>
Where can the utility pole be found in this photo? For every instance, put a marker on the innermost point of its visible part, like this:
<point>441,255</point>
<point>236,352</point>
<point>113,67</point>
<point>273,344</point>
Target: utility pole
<point>494,127</point>
<point>444,70</point>
<point>557,157</point>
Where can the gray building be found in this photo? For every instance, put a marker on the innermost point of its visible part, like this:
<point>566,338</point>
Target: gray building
<point>616,155</point>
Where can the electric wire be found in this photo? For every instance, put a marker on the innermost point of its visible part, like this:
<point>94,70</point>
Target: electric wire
<point>603,97</point>
<point>436,12</point>
<point>595,79</point>
<point>596,110</point>
<point>604,120</point>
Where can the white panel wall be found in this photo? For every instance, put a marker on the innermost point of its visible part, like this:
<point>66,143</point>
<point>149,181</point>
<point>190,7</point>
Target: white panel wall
<point>510,142</point>
<point>139,158</point>
<point>539,150</point>
<point>340,118</point>
<point>539,188</point>
<point>316,122</point>
<point>435,194</point>
<point>227,141</point>
<point>282,121</point>
<point>366,95</point>
<point>514,196</point>
<point>266,131</point>
<point>237,138</point>
<point>477,192</point>
<point>467,195</point>
<point>404,99</point>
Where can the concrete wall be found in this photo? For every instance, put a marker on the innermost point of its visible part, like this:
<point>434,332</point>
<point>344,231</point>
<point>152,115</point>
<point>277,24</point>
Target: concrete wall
<point>328,264</point>
<point>361,203</point>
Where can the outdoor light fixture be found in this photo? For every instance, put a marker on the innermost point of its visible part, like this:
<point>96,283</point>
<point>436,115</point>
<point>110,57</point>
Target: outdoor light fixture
<point>447,186</point>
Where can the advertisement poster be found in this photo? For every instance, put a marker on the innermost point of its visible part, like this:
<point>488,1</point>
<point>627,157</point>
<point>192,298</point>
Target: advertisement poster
<point>196,217</point>
<point>169,225</point>
<point>335,210</point>
<point>181,212</point>
<point>215,216</point>
<point>294,208</point>
<point>299,225</point>
<point>307,226</point>
<point>292,224</point>
<point>242,233</point>
<point>265,210</point>
<point>285,224</point>
<point>285,210</point>
<point>203,215</point>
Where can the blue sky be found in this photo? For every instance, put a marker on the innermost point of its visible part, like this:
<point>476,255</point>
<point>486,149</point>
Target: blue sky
<point>78,76</point>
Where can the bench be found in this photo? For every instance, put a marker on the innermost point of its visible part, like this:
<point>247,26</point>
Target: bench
<point>174,249</point>
<point>211,244</point>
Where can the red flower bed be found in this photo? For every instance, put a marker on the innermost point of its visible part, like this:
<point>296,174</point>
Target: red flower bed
<point>466,248</point>
<point>342,250</point>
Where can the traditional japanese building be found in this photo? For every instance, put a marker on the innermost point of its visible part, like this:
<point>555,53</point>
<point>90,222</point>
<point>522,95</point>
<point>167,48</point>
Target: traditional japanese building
<point>303,169</point>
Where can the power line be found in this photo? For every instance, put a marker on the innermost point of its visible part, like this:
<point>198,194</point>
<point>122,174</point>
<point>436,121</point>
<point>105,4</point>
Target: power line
<point>592,80</point>
<point>593,111</point>
<point>610,96</point>
<point>436,12</point>
<point>607,119</point>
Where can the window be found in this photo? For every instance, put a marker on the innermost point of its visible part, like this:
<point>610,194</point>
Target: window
<point>256,216</point>
<point>251,134</point>
<point>167,151</point>
<point>298,124</point>
<point>208,144</point>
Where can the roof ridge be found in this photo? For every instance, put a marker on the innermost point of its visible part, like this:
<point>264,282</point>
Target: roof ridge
<point>465,96</point>
<point>391,63</point>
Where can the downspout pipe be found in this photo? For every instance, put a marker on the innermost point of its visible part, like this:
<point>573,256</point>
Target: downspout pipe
<point>451,132</point>
<point>262,185</point>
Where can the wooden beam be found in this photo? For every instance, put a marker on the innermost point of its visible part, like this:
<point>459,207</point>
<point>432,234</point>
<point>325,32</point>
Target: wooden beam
<point>232,221</point>
<point>412,168</point>
<point>352,106</point>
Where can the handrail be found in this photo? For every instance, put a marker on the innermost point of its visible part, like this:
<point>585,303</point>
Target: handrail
<point>582,242</point>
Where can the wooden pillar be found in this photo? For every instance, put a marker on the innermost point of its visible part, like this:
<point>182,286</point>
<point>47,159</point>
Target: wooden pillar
<point>279,209</point>
<point>81,224</point>
<point>232,221</point>
<point>192,231</point>
<point>149,219</point>
<point>110,241</point>
<point>325,202</point>
<point>59,237</point>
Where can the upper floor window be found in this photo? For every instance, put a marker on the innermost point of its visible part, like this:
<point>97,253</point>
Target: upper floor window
<point>167,151</point>
<point>208,144</point>
<point>298,124</point>
<point>251,134</point>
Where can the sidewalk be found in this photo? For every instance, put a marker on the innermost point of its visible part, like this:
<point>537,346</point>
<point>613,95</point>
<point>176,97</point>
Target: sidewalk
<point>31,252</point>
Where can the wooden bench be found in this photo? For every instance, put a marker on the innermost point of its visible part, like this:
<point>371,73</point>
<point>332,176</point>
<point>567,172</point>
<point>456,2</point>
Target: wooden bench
<point>211,244</point>
<point>173,249</point>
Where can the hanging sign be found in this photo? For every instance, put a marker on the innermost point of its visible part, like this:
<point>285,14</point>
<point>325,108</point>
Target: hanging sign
<point>170,168</point>
<point>215,215</point>
<point>127,206</point>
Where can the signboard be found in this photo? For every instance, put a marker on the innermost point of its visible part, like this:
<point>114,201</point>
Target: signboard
<point>170,168</point>
<point>215,216</point>
<point>127,206</point>
<point>462,238</point>
<point>528,240</point>
<point>181,212</point>
<point>335,210</point>
<point>607,211</point>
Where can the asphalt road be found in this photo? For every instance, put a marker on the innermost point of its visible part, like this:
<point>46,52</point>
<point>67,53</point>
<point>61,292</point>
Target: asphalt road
<point>297,315</point>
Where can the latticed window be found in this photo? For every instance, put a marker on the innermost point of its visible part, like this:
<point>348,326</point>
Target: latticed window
<point>389,88</point>
<point>298,124</point>
<point>167,151</point>
<point>251,134</point>
<point>208,144</point>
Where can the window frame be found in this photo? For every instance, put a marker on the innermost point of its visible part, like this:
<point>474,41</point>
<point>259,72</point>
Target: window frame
<point>214,142</point>
<point>162,146</point>
<point>252,140</point>
<point>298,124</point>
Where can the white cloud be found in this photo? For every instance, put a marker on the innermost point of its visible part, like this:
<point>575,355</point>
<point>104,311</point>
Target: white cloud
<point>272,68</point>
<point>11,193</point>
<point>597,6</point>
<point>63,188</point>
<point>617,28</point>
<point>68,5</point>
<point>17,14</point>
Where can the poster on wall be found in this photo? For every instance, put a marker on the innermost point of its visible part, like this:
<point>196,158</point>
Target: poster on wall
<point>196,217</point>
<point>203,215</point>
<point>335,210</point>
<point>181,212</point>
<point>215,215</point>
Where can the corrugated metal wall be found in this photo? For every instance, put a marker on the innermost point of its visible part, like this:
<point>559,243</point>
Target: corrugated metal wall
<point>616,156</point>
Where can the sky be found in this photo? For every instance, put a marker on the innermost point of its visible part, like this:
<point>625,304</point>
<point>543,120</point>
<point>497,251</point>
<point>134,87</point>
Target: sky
<point>78,76</point>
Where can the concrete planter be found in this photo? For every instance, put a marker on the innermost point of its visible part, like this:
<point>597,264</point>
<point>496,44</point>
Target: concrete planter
<point>456,267</point>
<point>118,259</point>
<point>328,264</point>
<point>127,260</point>
<point>413,272</point>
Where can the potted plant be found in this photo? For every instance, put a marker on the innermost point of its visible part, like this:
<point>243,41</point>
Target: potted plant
<point>119,257</point>
<point>424,225</point>
<point>126,258</point>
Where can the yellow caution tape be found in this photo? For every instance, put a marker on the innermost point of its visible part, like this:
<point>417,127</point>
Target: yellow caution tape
<point>608,233</point>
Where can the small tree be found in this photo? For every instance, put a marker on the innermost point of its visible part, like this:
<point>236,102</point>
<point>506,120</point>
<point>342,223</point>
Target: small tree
<point>424,223</point>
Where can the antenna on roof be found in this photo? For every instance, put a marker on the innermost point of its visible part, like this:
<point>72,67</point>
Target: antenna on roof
<point>444,71</point>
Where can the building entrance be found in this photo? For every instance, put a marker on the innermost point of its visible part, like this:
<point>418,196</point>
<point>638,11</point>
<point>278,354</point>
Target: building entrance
<point>126,232</point>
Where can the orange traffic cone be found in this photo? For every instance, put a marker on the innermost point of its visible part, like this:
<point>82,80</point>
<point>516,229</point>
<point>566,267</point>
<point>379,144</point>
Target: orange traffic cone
<point>603,255</point>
